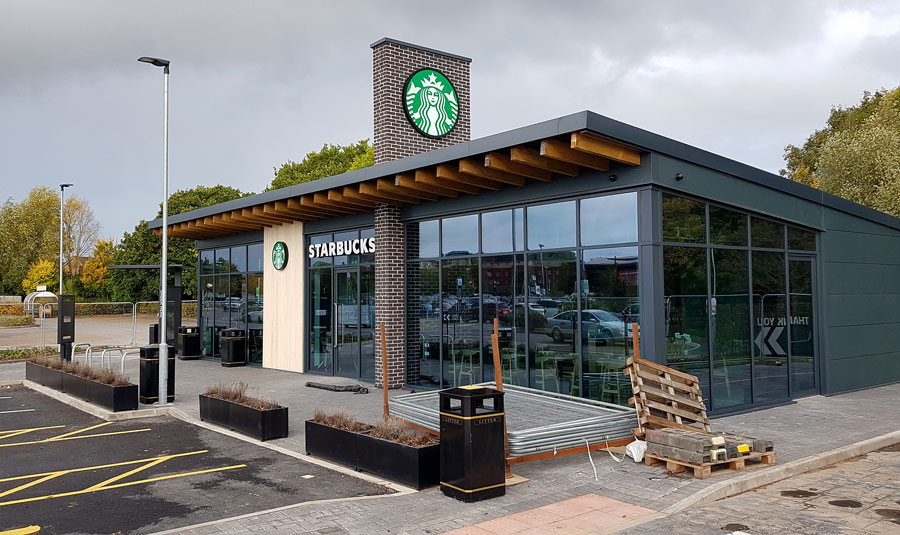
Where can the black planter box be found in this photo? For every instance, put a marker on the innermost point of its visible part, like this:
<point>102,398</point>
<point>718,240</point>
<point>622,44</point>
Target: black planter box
<point>331,443</point>
<point>256,423</point>
<point>408,465</point>
<point>114,398</point>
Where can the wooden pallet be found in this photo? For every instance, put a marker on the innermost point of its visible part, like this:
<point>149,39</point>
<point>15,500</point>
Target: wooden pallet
<point>707,469</point>
<point>665,397</point>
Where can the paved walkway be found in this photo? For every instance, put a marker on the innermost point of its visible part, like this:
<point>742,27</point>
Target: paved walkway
<point>802,429</point>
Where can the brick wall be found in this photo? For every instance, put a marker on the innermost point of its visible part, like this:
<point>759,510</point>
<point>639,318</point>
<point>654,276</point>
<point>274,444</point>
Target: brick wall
<point>393,63</point>
<point>390,306</point>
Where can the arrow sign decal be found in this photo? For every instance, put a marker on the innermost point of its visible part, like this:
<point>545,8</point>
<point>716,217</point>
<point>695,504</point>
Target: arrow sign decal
<point>767,341</point>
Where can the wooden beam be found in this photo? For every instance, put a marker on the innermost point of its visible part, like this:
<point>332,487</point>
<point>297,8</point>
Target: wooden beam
<point>236,217</point>
<point>335,195</point>
<point>451,174</point>
<point>472,167</point>
<point>354,193</point>
<point>191,227</point>
<point>558,150</point>
<point>425,176</point>
<point>373,191</point>
<point>248,215</point>
<point>527,156</point>
<point>220,221</point>
<point>607,149</point>
<point>272,209</point>
<point>501,162</point>
<point>409,181</point>
<point>306,204</point>
<point>322,198</point>
<point>260,214</point>
<point>384,184</point>
<point>310,202</point>
<point>282,206</point>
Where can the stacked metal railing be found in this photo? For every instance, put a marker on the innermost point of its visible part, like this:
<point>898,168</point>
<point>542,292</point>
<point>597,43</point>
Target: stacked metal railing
<point>537,421</point>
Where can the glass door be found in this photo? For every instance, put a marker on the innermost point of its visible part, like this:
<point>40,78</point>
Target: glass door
<point>802,364</point>
<point>321,322</point>
<point>347,323</point>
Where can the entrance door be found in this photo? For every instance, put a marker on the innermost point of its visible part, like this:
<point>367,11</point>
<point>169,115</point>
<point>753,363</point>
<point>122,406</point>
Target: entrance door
<point>347,323</point>
<point>802,365</point>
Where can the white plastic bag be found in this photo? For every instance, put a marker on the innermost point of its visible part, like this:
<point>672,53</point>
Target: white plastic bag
<point>636,450</point>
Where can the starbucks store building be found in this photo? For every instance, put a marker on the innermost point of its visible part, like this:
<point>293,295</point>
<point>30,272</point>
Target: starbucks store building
<point>565,232</point>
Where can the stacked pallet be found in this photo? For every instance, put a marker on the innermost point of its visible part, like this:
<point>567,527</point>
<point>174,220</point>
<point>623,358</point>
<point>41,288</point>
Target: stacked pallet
<point>701,452</point>
<point>665,398</point>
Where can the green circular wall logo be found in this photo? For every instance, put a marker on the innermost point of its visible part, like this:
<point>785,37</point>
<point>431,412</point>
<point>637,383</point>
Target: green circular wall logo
<point>431,104</point>
<point>279,255</point>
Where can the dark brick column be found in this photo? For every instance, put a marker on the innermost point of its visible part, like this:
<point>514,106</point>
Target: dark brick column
<point>390,299</point>
<point>392,63</point>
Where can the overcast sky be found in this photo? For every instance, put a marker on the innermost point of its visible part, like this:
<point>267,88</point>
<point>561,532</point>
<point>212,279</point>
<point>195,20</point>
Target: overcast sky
<point>255,84</point>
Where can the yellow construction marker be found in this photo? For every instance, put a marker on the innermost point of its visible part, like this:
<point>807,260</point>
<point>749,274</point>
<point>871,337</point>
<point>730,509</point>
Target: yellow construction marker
<point>22,531</point>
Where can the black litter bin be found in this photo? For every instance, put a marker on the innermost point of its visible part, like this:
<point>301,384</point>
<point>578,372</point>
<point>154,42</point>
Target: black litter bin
<point>188,343</point>
<point>234,348</point>
<point>473,454</point>
<point>148,389</point>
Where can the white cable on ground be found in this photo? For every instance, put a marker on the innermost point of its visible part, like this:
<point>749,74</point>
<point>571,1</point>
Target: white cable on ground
<point>588,444</point>
<point>611,453</point>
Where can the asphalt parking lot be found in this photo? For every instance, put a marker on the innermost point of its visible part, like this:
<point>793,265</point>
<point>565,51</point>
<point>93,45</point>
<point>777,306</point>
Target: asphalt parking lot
<point>65,471</point>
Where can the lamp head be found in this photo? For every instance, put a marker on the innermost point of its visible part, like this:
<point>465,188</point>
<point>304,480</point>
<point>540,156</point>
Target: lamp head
<point>158,62</point>
<point>64,186</point>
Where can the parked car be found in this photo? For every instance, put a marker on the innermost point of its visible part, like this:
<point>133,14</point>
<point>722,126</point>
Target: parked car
<point>596,324</point>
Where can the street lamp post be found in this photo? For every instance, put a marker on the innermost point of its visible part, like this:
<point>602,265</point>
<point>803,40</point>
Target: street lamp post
<point>62,193</point>
<point>163,267</point>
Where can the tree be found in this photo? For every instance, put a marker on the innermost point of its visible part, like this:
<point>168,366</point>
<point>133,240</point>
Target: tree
<point>42,272</point>
<point>93,278</point>
<point>142,246</point>
<point>80,231</point>
<point>331,160</point>
<point>29,232</point>
<point>855,155</point>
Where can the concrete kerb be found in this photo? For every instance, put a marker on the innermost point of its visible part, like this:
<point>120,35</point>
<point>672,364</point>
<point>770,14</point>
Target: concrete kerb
<point>399,490</point>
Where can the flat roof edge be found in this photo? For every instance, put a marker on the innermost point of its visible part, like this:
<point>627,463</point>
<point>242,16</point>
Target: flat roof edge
<point>419,47</point>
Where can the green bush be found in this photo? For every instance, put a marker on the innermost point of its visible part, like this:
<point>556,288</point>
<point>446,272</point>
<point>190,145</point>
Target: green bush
<point>15,321</point>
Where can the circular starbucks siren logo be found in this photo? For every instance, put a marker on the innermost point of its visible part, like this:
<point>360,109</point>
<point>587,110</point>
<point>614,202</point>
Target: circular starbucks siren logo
<point>431,104</point>
<point>279,255</point>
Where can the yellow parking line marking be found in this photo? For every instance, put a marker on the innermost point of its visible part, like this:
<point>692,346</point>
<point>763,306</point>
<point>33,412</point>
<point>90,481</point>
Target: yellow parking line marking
<point>120,485</point>
<point>31,484</point>
<point>28,530</point>
<point>9,433</point>
<point>78,431</point>
<point>130,472</point>
<point>100,466</point>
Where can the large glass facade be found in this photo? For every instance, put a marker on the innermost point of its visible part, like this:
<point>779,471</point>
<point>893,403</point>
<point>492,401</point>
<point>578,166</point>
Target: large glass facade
<point>341,309</point>
<point>738,303</point>
<point>231,297</point>
<point>562,309</point>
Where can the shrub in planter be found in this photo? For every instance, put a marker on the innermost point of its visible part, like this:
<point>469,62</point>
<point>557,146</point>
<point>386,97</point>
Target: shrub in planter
<point>231,407</point>
<point>392,449</point>
<point>100,386</point>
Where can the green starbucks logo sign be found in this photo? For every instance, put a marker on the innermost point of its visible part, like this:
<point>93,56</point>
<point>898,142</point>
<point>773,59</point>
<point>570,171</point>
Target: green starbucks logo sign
<point>279,255</point>
<point>431,104</point>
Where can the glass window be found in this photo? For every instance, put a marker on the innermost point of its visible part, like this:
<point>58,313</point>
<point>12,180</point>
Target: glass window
<point>255,315</point>
<point>423,323</point>
<point>770,379</point>
<point>803,370</point>
<point>366,234</point>
<point>206,263</point>
<point>459,235</point>
<point>551,226</point>
<point>207,314</point>
<point>238,259</point>
<point>426,235</point>
<point>496,232</point>
<point>345,239</point>
<point>730,328</point>
<point>727,227</point>
<point>321,321</point>
<point>321,261</point>
<point>687,327</point>
<point>609,219</point>
<point>801,240</point>
<point>255,257</point>
<point>519,229</point>
<point>553,334</point>
<point>765,233</point>
<point>222,260</point>
<point>367,320</point>
<point>684,220</point>
<point>461,335</point>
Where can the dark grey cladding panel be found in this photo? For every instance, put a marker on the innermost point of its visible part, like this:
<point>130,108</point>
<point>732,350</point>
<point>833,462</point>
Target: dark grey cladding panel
<point>235,239</point>
<point>337,224</point>
<point>859,210</point>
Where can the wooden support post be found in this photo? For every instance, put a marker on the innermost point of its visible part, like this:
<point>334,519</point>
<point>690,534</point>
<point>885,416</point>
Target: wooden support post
<point>498,380</point>
<point>384,374</point>
<point>635,340</point>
